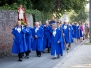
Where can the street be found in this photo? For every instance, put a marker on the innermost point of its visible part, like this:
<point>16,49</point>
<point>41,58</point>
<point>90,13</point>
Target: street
<point>80,57</point>
<point>45,61</point>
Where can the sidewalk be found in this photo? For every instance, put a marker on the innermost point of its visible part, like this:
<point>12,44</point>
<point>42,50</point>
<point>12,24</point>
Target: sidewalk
<point>80,57</point>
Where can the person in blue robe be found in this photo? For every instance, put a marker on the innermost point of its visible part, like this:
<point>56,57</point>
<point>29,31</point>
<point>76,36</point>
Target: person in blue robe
<point>66,33</point>
<point>46,43</point>
<point>73,26</point>
<point>63,38</point>
<point>38,39</point>
<point>62,46</point>
<point>71,35</point>
<point>28,39</point>
<point>19,44</point>
<point>40,24</point>
<point>78,33</point>
<point>56,40</point>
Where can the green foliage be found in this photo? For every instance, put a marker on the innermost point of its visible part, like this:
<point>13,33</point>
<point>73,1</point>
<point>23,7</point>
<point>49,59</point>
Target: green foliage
<point>44,5</point>
<point>67,5</point>
<point>14,6</point>
<point>40,16</point>
<point>37,14</point>
<point>48,5</point>
<point>22,22</point>
<point>80,16</point>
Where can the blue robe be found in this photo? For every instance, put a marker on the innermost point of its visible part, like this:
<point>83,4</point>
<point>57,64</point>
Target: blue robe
<point>63,42</point>
<point>77,32</point>
<point>71,34</point>
<point>38,42</point>
<point>73,26</point>
<point>66,33</point>
<point>54,45</point>
<point>46,37</point>
<point>29,37</point>
<point>62,46</point>
<point>19,44</point>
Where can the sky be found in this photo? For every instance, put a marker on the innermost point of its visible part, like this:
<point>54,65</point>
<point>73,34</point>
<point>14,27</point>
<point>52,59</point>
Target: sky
<point>87,6</point>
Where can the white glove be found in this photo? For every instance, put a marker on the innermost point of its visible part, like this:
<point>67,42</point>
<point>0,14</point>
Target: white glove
<point>27,29</point>
<point>15,28</point>
<point>22,26</point>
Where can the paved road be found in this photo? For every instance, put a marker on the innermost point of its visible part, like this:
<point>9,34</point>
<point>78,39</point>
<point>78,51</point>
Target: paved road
<point>45,61</point>
<point>80,57</point>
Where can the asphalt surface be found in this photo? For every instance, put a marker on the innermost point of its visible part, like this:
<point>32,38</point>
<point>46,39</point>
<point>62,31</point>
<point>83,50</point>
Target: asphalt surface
<point>45,61</point>
<point>80,57</point>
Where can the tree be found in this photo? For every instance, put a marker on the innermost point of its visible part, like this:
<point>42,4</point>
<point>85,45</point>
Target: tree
<point>47,6</point>
<point>90,19</point>
<point>80,16</point>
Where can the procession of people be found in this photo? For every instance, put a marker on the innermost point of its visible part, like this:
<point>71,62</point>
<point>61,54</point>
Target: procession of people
<point>55,38</point>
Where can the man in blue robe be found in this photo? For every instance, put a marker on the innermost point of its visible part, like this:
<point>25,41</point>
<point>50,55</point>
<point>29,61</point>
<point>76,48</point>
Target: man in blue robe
<point>46,43</point>
<point>56,40</point>
<point>63,38</point>
<point>66,31</point>
<point>62,47</point>
<point>38,39</point>
<point>28,39</point>
<point>19,44</point>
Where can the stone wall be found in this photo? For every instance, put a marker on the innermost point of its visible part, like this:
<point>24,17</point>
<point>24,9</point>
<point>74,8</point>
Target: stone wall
<point>8,20</point>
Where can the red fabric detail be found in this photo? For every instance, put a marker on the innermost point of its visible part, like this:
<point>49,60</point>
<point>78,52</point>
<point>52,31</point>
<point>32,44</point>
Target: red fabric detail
<point>25,20</point>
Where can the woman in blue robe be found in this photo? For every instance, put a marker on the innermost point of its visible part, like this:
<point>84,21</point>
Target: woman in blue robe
<point>46,43</point>
<point>19,44</point>
<point>56,40</point>
<point>38,39</point>
<point>28,40</point>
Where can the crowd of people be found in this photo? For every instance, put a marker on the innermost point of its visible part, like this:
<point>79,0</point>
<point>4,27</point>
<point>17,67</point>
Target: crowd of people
<point>53,38</point>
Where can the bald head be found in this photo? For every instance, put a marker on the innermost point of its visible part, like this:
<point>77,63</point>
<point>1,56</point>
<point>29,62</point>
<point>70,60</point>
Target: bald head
<point>47,23</point>
<point>36,24</point>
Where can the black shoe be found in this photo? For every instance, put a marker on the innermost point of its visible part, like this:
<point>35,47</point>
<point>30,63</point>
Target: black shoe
<point>48,50</point>
<point>39,55</point>
<point>67,48</point>
<point>43,52</point>
<point>61,54</point>
<point>20,60</point>
<point>27,57</point>
<point>54,58</point>
<point>58,57</point>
